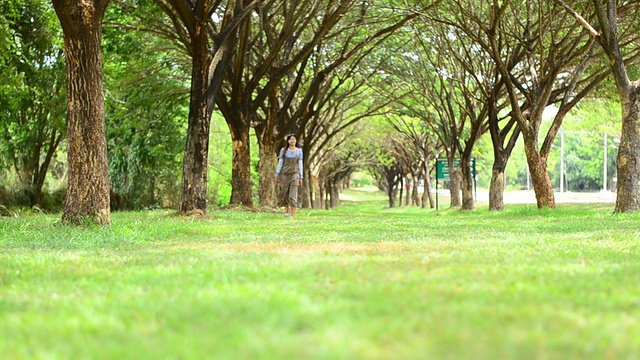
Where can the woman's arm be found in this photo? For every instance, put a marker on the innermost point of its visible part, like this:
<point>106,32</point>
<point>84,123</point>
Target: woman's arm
<point>300,162</point>
<point>280,162</point>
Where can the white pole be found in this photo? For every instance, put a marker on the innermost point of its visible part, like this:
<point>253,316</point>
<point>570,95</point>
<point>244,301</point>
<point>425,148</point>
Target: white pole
<point>561,160</point>
<point>604,183</point>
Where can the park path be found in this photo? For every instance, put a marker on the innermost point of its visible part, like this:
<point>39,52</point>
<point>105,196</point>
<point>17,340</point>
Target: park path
<point>567,197</point>
<point>517,196</point>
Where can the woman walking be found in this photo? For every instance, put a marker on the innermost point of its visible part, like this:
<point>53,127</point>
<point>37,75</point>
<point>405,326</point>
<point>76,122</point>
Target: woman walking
<point>289,174</point>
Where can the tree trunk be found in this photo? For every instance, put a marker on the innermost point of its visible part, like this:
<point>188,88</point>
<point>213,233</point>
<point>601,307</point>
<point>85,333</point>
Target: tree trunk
<point>328,195</point>
<point>194,171</point>
<point>415,192</point>
<point>307,190</point>
<point>267,171</point>
<point>269,150</point>
<point>401,186</point>
<point>391,189</point>
<point>409,187</point>
<point>427,195</point>
<point>628,187</point>
<point>335,194</point>
<point>320,192</point>
<point>38,180</point>
<point>501,154</point>
<point>241,164</point>
<point>539,175</point>
<point>316,201</point>
<point>467,185</point>
<point>88,170</point>
<point>454,187</point>
<point>391,197</point>
<point>496,188</point>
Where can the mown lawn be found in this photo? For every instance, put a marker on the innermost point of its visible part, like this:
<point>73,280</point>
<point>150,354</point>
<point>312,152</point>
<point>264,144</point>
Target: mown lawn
<point>359,282</point>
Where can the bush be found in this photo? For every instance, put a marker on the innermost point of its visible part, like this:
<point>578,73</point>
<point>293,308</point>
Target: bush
<point>361,179</point>
<point>3,195</point>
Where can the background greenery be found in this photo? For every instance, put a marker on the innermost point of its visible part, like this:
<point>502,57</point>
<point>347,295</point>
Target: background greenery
<point>359,282</point>
<point>146,91</point>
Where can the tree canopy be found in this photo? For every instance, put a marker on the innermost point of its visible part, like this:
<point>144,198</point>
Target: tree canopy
<point>386,86</point>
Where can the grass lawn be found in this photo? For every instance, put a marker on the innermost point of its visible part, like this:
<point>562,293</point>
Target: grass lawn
<point>358,282</point>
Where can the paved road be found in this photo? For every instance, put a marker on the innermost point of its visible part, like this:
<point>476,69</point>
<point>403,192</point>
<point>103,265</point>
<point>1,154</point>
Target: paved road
<point>529,197</point>
<point>524,196</point>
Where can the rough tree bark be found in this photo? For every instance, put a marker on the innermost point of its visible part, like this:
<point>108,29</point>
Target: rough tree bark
<point>628,187</point>
<point>501,154</point>
<point>211,48</point>
<point>241,164</point>
<point>496,188</point>
<point>268,149</point>
<point>194,171</point>
<point>454,185</point>
<point>468,202</point>
<point>539,175</point>
<point>607,35</point>
<point>427,196</point>
<point>503,140</point>
<point>88,171</point>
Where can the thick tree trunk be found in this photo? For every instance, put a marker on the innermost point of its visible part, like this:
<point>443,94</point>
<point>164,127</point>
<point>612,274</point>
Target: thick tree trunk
<point>210,63</point>
<point>322,190</point>
<point>628,187</point>
<point>501,154</point>
<point>391,189</point>
<point>392,194</point>
<point>539,175</point>
<point>317,198</point>
<point>269,148</point>
<point>194,171</point>
<point>496,188</point>
<point>427,195</point>
<point>454,188</point>
<point>88,171</point>
<point>467,185</point>
<point>267,172</point>
<point>307,190</point>
<point>415,192</point>
<point>241,164</point>
<point>335,194</point>
<point>328,194</point>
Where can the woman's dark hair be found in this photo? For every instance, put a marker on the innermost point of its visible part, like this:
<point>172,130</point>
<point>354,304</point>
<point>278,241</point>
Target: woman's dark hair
<point>289,136</point>
<point>286,144</point>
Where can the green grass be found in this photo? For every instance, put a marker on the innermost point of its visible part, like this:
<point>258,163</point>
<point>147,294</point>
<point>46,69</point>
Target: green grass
<point>359,282</point>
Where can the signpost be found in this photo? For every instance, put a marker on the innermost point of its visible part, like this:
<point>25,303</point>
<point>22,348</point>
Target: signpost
<point>443,173</point>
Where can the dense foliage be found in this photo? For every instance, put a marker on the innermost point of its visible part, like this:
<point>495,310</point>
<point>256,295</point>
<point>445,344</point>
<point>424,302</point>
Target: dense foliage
<point>32,105</point>
<point>146,106</point>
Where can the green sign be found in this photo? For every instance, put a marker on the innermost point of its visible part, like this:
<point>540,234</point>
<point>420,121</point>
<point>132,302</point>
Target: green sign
<point>442,167</point>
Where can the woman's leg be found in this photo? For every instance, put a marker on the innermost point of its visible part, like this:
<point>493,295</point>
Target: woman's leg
<point>293,195</point>
<point>284,192</point>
